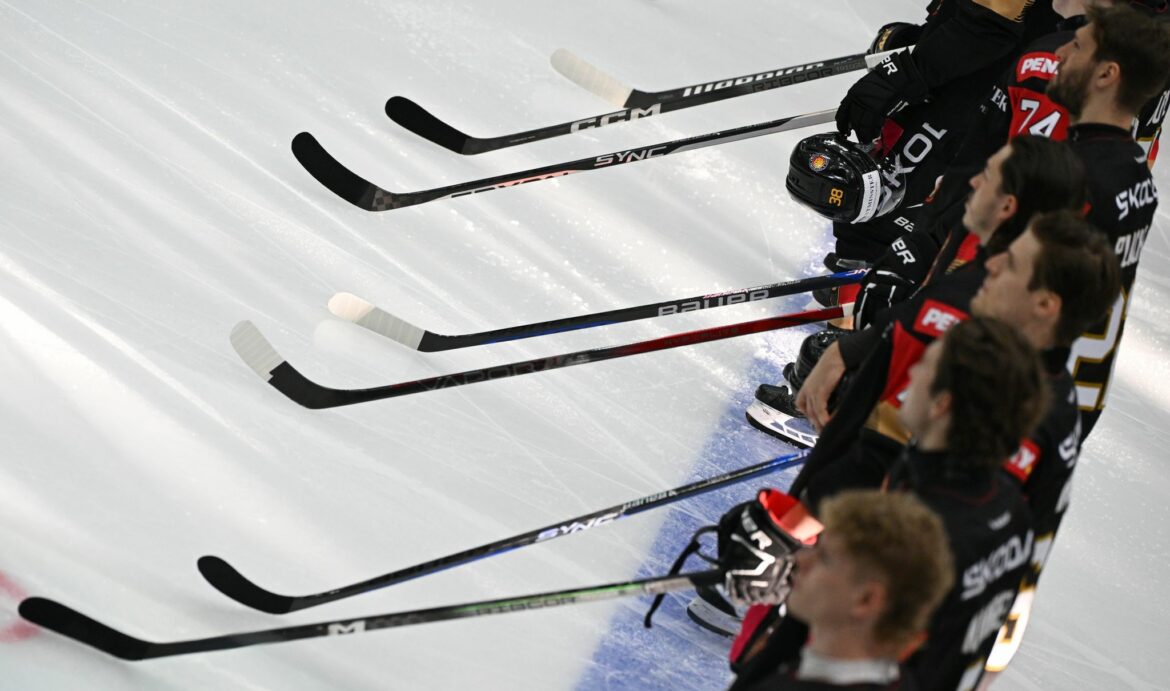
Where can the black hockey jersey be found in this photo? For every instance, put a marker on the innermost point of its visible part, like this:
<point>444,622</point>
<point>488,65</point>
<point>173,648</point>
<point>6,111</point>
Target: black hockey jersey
<point>989,531</point>
<point>863,436</point>
<point>1043,467</point>
<point>1147,128</point>
<point>1044,464</point>
<point>1122,203</point>
<point>963,49</point>
<point>1016,105</point>
<point>1123,200</point>
<point>990,534</point>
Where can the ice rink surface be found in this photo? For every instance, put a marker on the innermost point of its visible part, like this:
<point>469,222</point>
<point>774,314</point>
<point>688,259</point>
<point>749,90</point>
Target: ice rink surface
<point>149,201</point>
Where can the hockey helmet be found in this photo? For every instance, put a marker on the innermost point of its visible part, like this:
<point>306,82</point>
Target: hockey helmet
<point>841,181</point>
<point>811,350</point>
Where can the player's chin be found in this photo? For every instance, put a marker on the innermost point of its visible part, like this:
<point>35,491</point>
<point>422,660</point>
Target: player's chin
<point>977,303</point>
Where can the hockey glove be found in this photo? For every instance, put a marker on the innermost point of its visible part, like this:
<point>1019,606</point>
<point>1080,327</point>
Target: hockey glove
<point>895,276</point>
<point>892,85</point>
<point>756,542</point>
<point>893,36</point>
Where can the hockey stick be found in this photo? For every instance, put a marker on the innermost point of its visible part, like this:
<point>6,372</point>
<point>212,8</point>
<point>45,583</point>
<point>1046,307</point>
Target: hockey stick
<point>258,353</point>
<point>635,104</point>
<point>69,622</point>
<point>601,84</point>
<point>226,579</point>
<point>366,195</point>
<point>355,309</point>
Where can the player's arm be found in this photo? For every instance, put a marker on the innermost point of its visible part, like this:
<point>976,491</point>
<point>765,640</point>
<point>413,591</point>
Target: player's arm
<point>967,41</point>
<point>980,32</point>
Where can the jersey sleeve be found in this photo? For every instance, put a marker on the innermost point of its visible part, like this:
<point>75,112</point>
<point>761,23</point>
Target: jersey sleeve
<point>965,41</point>
<point>1148,126</point>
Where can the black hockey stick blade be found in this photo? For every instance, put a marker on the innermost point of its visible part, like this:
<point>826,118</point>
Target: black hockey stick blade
<point>83,629</point>
<point>226,579</point>
<point>326,169</point>
<point>258,353</point>
<point>418,120</point>
<point>364,313</point>
<point>73,624</point>
<point>366,195</point>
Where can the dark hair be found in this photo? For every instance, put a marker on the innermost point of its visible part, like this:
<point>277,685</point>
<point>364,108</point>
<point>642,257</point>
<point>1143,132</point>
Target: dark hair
<point>1139,44</point>
<point>900,542</point>
<point>1077,263</point>
<point>998,391</point>
<point>1043,175</point>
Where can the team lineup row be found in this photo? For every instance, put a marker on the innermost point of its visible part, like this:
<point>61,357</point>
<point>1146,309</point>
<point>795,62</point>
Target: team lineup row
<point>990,192</point>
<point>1037,222</point>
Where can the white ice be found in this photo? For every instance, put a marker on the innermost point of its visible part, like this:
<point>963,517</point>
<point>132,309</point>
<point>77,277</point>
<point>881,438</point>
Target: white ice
<point>149,201</point>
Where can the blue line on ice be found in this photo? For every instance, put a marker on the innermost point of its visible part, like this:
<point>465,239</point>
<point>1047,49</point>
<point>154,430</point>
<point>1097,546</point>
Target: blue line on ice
<point>677,654</point>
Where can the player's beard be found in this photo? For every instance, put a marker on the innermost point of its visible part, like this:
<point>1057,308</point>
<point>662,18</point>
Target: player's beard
<point>1070,89</point>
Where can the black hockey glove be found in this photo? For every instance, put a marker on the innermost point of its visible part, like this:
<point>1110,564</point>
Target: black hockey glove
<point>893,36</point>
<point>890,86</point>
<point>895,276</point>
<point>756,547</point>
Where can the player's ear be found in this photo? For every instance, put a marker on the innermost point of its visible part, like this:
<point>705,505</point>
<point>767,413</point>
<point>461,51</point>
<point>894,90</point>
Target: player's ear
<point>1008,208</point>
<point>1048,305</point>
<point>940,405</point>
<point>870,600</point>
<point>1107,74</point>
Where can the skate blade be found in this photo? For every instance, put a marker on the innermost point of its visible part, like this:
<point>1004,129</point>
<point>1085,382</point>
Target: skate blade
<point>768,420</point>
<point>713,619</point>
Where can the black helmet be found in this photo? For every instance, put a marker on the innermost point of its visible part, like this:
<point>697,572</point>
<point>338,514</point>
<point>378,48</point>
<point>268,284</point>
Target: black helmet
<point>811,350</point>
<point>839,180</point>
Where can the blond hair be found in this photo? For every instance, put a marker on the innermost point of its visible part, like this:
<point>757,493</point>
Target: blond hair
<point>895,539</point>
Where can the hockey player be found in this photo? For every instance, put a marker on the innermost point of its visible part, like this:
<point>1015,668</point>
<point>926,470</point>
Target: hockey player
<point>918,105</point>
<point>1028,176</point>
<point>1051,281</point>
<point>1046,459</point>
<point>866,590</point>
<point>846,456</point>
<point>1054,279</point>
<point>1114,64</point>
<point>1110,68</point>
<point>1019,104</point>
<point>971,397</point>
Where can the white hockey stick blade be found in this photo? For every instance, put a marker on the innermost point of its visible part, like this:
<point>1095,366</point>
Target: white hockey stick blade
<point>590,78</point>
<point>361,312</point>
<point>255,350</point>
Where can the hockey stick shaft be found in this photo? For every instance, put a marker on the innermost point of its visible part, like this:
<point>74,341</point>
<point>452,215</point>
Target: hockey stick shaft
<point>361,312</point>
<point>84,629</point>
<point>259,354</point>
<point>360,192</point>
<point>421,122</point>
<point>229,581</point>
<point>597,82</point>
